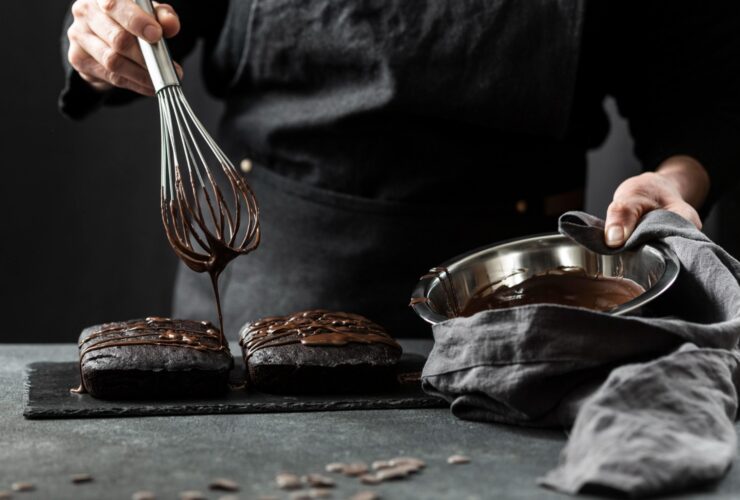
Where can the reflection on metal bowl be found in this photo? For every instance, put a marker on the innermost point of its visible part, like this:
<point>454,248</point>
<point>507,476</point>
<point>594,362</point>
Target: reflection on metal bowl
<point>653,266</point>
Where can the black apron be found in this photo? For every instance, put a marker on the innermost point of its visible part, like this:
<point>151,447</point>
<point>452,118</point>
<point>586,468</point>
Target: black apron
<point>376,133</point>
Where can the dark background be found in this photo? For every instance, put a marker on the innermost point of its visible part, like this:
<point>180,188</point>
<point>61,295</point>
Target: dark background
<point>82,240</point>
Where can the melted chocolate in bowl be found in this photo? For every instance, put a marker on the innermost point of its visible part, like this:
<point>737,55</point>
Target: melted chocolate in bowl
<point>563,286</point>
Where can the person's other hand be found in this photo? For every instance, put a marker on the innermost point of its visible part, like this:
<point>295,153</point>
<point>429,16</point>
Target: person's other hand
<point>103,47</point>
<point>680,185</point>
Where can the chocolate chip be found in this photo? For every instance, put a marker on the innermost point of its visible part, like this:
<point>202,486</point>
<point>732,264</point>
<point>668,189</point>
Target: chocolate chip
<point>287,481</point>
<point>381,464</point>
<point>192,495</point>
<point>223,484</point>
<point>370,479</point>
<point>22,486</point>
<point>335,467</point>
<point>317,480</point>
<point>143,495</point>
<point>355,469</point>
<point>81,478</point>
<point>5,495</point>
<point>365,495</point>
<point>396,472</point>
<point>458,459</point>
<point>410,461</point>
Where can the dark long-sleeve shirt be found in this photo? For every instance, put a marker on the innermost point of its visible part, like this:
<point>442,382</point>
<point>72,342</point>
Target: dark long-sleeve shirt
<point>444,108</point>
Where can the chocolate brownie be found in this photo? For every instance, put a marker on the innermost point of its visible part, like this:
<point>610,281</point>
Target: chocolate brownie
<point>153,358</point>
<point>318,352</point>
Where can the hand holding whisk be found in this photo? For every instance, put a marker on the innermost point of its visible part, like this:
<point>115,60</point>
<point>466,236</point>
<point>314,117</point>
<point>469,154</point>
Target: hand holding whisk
<point>208,224</point>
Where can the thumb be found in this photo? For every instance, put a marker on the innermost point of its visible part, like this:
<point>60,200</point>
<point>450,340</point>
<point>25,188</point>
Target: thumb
<point>168,19</point>
<point>621,219</point>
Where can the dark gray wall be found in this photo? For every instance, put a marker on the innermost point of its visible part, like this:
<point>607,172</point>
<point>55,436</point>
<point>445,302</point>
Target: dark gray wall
<point>82,241</point>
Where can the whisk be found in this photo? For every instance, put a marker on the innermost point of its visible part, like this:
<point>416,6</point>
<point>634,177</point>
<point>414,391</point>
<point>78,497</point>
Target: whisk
<point>207,224</point>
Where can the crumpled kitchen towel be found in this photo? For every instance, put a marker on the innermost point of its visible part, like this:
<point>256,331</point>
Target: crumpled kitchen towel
<point>651,399</point>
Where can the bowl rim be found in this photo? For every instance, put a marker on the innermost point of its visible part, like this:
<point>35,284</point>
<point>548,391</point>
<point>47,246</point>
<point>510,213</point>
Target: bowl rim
<point>670,273</point>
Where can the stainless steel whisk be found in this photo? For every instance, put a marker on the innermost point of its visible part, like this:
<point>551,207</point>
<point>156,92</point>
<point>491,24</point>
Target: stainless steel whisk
<point>205,228</point>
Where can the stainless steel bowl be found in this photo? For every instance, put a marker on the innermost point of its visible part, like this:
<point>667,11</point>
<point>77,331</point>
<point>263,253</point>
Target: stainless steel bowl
<point>654,266</point>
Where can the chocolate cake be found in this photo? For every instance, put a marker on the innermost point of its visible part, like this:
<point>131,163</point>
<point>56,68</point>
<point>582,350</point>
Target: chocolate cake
<point>153,358</point>
<point>318,352</point>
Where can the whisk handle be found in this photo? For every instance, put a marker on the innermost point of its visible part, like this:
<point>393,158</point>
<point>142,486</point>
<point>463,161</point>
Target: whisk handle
<point>157,56</point>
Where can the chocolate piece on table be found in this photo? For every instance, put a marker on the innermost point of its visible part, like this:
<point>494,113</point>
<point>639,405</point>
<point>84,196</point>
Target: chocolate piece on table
<point>153,358</point>
<point>318,351</point>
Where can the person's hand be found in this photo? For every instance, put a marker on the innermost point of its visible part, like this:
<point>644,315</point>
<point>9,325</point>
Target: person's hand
<point>680,185</point>
<point>103,47</point>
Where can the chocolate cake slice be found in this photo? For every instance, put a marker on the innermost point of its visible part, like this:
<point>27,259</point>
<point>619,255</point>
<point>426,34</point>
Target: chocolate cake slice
<point>318,352</point>
<point>153,358</point>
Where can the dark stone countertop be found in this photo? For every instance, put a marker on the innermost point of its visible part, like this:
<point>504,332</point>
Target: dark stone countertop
<point>168,455</point>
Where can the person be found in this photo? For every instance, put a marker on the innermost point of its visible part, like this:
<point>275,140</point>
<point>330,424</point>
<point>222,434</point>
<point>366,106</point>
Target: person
<point>384,137</point>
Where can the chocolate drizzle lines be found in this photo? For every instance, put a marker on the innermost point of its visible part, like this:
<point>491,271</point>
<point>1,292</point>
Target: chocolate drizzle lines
<point>200,336</point>
<point>313,328</point>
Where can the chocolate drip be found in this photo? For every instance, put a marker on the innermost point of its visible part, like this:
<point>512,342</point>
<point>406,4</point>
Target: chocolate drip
<point>418,300</point>
<point>445,281</point>
<point>200,336</point>
<point>202,230</point>
<point>569,286</point>
<point>313,328</point>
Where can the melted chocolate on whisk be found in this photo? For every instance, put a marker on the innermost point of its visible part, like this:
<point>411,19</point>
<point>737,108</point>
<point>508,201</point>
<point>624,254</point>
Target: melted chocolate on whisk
<point>204,233</point>
<point>313,328</point>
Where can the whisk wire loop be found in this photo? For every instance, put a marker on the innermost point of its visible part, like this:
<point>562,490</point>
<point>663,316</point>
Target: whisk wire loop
<point>205,227</point>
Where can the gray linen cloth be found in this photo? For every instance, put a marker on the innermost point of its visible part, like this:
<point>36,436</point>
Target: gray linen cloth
<point>651,399</point>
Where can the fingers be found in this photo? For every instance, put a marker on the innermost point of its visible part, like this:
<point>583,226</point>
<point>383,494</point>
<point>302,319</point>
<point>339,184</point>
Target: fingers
<point>115,36</point>
<point>132,18</point>
<point>621,220</point>
<point>637,196</point>
<point>178,69</point>
<point>103,45</point>
<point>109,65</point>
<point>168,19</point>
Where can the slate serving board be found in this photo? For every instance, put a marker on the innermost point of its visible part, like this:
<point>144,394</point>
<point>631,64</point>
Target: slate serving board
<point>48,397</point>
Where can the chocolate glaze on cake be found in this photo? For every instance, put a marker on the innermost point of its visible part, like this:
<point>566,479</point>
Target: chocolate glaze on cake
<point>319,352</point>
<point>568,286</point>
<point>152,331</point>
<point>313,328</point>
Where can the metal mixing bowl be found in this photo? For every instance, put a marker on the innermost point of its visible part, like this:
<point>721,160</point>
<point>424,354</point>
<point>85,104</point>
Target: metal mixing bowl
<point>653,266</point>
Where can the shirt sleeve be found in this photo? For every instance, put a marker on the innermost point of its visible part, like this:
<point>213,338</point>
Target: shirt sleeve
<point>78,99</point>
<point>678,84</point>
